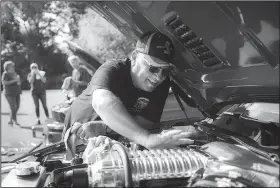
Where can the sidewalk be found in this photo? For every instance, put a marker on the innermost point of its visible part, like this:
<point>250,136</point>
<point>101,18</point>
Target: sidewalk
<point>17,136</point>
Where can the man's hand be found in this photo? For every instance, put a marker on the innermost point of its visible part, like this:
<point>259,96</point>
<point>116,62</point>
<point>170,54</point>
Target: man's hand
<point>88,130</point>
<point>168,139</point>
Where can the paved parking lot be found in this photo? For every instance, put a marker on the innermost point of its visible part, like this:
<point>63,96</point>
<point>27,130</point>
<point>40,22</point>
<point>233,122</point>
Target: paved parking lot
<point>13,136</point>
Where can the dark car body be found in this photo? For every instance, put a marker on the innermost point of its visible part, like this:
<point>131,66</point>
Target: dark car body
<point>227,59</point>
<point>226,52</point>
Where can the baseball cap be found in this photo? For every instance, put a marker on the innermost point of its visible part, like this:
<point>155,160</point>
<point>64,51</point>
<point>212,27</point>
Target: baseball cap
<point>158,46</point>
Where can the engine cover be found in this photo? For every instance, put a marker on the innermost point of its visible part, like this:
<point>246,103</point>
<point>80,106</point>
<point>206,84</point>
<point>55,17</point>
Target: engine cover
<point>108,170</point>
<point>221,162</point>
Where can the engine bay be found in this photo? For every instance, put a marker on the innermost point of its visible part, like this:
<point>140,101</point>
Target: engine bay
<point>216,158</point>
<point>213,164</point>
<point>228,70</point>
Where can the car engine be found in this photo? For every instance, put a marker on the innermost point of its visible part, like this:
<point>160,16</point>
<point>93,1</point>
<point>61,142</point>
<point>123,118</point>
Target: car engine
<point>224,154</point>
<point>211,165</point>
<point>215,164</point>
<point>218,158</point>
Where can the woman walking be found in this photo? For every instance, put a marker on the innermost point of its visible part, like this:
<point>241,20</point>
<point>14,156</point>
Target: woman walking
<point>12,90</point>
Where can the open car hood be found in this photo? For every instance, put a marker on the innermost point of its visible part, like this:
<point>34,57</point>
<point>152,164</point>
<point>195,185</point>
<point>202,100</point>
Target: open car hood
<point>226,52</point>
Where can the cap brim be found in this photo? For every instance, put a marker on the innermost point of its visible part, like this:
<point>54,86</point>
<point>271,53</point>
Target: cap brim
<point>157,62</point>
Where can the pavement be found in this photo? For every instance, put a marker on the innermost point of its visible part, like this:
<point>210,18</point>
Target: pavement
<point>16,140</point>
<point>15,136</point>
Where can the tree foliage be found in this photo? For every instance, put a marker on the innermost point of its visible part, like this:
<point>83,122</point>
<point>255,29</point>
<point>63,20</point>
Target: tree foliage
<point>101,38</point>
<point>33,31</point>
<point>30,31</point>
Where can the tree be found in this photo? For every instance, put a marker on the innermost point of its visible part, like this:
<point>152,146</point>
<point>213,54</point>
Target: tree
<point>102,39</point>
<point>35,31</point>
<point>32,30</point>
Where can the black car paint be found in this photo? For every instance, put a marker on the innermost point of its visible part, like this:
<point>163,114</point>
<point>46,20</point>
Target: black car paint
<point>236,32</point>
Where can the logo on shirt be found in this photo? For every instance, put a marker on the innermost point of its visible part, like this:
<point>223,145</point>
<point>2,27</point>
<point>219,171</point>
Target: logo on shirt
<point>140,104</point>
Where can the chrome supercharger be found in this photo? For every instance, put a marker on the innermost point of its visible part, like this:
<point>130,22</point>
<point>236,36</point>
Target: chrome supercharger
<point>213,164</point>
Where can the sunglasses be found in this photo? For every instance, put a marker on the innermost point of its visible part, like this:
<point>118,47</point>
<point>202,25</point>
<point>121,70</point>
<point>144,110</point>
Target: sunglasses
<point>34,67</point>
<point>154,70</point>
<point>165,71</point>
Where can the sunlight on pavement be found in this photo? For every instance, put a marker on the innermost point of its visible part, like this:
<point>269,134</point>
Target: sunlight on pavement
<point>11,136</point>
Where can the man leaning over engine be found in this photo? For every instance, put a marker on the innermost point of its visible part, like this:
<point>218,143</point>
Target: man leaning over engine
<point>129,96</point>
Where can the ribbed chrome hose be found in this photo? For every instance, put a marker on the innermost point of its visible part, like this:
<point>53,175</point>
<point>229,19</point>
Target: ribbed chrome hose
<point>157,164</point>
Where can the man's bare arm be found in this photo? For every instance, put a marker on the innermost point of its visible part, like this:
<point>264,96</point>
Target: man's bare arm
<point>113,113</point>
<point>149,125</point>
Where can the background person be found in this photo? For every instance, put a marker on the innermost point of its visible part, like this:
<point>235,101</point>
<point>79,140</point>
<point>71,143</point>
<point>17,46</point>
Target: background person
<point>81,75</point>
<point>129,96</point>
<point>37,82</point>
<point>67,88</point>
<point>12,90</point>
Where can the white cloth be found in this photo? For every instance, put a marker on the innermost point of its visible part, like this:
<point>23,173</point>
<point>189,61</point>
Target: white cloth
<point>91,151</point>
<point>42,73</point>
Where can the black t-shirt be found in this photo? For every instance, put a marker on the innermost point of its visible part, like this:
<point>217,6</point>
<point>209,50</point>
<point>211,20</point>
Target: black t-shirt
<point>80,75</point>
<point>38,86</point>
<point>115,77</point>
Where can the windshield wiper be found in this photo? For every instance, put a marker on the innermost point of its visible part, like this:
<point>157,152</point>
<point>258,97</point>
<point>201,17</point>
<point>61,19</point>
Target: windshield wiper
<point>49,149</point>
<point>272,156</point>
<point>27,154</point>
<point>213,130</point>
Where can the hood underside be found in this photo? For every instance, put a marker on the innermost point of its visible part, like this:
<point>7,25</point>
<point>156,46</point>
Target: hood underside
<point>225,52</point>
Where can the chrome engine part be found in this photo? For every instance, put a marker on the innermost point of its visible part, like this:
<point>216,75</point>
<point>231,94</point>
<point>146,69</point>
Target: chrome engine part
<point>223,164</point>
<point>108,170</point>
<point>156,164</point>
<point>216,164</point>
